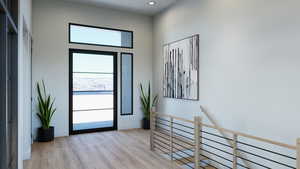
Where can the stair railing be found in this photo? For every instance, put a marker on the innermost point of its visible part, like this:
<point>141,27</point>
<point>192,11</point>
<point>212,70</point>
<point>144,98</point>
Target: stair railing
<point>192,144</point>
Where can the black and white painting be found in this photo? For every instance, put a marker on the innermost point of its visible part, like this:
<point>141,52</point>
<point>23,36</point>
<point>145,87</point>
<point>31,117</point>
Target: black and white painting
<point>181,69</point>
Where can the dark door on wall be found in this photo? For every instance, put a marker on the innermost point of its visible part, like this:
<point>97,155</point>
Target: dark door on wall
<point>93,91</point>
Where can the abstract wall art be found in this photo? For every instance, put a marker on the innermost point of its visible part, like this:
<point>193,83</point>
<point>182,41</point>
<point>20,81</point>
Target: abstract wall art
<point>181,69</point>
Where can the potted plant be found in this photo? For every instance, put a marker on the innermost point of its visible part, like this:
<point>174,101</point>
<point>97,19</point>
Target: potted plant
<point>45,114</point>
<point>147,104</point>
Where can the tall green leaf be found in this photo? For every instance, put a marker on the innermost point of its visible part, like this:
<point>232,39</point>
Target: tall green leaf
<point>146,101</point>
<point>45,106</point>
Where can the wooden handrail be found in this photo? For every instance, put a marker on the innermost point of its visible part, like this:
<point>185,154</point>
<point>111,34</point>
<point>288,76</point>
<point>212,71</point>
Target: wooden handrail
<point>246,135</point>
<point>253,137</point>
<point>174,117</point>
<point>178,142</point>
<point>232,132</point>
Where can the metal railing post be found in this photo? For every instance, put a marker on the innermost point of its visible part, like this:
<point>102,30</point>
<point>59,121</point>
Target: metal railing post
<point>234,148</point>
<point>298,153</point>
<point>152,128</point>
<point>171,138</point>
<point>197,131</point>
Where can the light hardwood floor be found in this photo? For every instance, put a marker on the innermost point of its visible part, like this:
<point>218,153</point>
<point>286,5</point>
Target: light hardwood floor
<point>104,150</point>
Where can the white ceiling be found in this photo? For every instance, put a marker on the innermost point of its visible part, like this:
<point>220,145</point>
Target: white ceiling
<point>139,6</point>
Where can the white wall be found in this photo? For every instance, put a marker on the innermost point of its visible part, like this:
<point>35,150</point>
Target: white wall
<point>249,63</point>
<point>51,55</point>
<point>24,119</point>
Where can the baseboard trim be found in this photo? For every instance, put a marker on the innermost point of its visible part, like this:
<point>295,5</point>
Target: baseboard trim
<point>27,154</point>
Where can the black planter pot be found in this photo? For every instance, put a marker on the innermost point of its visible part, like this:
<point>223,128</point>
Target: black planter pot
<point>45,135</point>
<point>146,124</point>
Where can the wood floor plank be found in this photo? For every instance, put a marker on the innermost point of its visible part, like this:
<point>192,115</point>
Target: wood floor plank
<point>104,150</point>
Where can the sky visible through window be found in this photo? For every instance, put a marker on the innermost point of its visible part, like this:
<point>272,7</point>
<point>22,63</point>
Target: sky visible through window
<point>92,63</point>
<point>82,34</point>
<point>92,72</point>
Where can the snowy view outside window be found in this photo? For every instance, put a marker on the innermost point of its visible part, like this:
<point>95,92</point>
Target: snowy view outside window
<point>92,91</point>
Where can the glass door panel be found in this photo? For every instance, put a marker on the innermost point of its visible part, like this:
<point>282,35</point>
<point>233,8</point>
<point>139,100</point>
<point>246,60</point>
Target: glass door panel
<point>93,96</point>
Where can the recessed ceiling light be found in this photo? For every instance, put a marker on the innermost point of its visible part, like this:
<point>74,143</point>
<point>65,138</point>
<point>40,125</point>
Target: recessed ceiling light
<point>151,3</point>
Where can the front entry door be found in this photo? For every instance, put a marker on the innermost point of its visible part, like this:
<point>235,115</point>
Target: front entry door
<point>93,91</point>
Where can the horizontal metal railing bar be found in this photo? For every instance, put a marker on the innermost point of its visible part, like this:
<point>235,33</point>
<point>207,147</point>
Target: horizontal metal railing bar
<point>183,125</point>
<point>209,159</point>
<point>165,135</point>
<point>94,109</point>
<point>158,118</point>
<point>293,147</point>
<point>174,137</point>
<point>169,146</point>
<point>216,155</point>
<point>265,158</point>
<point>183,163</point>
<point>157,146</point>
<point>217,149</point>
<point>239,164</point>
<point>216,142</point>
<point>183,136</point>
<point>174,133</point>
<point>161,150</point>
<point>183,152</point>
<point>162,128</point>
<point>185,159</point>
<point>223,158</point>
<point>215,161</point>
<point>161,140</point>
<point>190,155</point>
<point>158,125</point>
<point>216,135</point>
<point>173,152</point>
<point>163,124</point>
<point>189,158</point>
<point>201,167</point>
<point>167,143</point>
<point>168,139</point>
<point>202,161</point>
<point>105,73</point>
<point>253,162</point>
<point>162,146</point>
<point>207,164</point>
<point>184,141</point>
<point>156,140</point>
<point>283,155</point>
<point>176,153</point>
<point>183,131</point>
<point>184,147</point>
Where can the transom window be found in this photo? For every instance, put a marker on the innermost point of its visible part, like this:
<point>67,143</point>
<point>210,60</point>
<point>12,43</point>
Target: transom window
<point>91,35</point>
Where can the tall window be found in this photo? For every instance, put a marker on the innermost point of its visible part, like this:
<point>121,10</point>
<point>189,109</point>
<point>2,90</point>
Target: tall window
<point>92,35</point>
<point>126,83</point>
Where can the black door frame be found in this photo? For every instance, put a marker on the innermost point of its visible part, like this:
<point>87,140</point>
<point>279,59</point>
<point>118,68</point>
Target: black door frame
<point>115,91</point>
